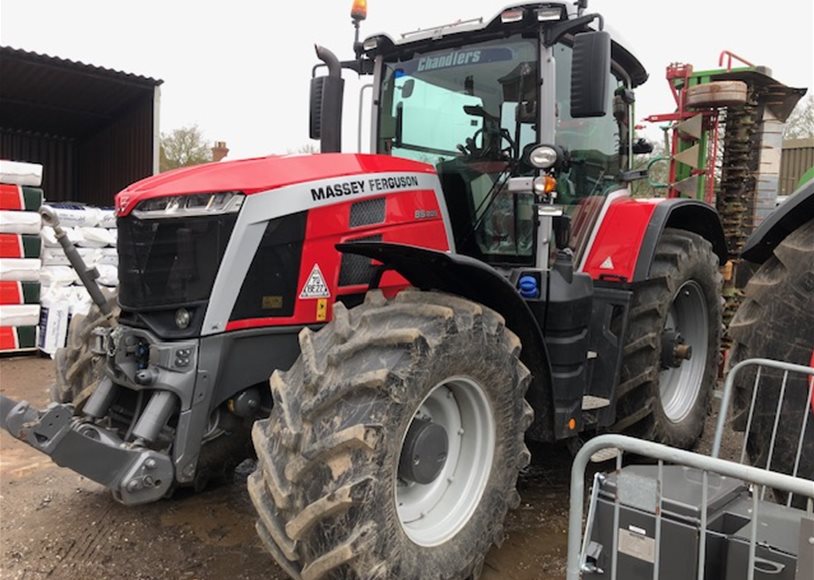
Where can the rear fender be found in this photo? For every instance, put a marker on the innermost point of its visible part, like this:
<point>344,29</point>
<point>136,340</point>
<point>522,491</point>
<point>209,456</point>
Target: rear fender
<point>479,282</point>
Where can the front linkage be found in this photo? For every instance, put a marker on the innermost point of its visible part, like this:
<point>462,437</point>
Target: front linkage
<point>133,473</point>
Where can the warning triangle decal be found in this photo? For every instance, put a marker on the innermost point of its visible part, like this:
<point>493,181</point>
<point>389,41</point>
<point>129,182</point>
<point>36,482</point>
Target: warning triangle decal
<point>607,264</point>
<point>315,286</point>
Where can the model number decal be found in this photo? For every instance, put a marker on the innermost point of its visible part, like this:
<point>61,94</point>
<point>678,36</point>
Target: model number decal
<point>354,187</point>
<point>425,214</point>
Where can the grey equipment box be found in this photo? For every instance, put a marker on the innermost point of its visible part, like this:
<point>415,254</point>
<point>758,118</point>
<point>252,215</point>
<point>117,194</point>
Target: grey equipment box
<point>729,506</point>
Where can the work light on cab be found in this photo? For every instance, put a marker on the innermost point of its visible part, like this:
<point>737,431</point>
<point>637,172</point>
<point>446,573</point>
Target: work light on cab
<point>511,15</point>
<point>544,157</point>
<point>549,13</point>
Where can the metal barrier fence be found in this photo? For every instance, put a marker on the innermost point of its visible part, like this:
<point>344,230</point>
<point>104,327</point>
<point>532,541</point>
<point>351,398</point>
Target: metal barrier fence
<point>757,477</point>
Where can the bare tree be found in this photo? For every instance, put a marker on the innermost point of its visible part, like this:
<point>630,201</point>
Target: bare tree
<point>800,124</point>
<point>183,147</point>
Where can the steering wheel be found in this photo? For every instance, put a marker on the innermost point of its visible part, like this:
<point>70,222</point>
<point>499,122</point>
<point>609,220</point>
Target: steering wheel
<point>470,148</point>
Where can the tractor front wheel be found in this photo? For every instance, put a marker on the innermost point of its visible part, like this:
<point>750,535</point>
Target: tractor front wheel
<point>77,368</point>
<point>672,346</point>
<point>395,442</point>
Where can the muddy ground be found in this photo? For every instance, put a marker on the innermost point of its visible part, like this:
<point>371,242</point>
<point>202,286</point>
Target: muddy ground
<point>56,524</point>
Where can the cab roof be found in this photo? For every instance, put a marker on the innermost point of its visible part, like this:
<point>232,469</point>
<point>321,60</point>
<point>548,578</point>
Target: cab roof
<point>447,35</point>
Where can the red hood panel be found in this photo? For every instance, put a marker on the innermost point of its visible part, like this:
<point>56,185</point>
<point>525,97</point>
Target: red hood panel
<point>261,174</point>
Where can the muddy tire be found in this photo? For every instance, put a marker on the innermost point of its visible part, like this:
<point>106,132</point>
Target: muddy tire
<point>77,368</point>
<point>657,400</point>
<point>776,321</point>
<point>329,489</point>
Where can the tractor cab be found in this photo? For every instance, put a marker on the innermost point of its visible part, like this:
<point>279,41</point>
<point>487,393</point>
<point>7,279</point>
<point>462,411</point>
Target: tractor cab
<point>529,109</point>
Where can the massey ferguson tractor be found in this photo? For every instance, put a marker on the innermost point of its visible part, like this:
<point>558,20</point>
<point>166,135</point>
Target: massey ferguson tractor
<point>484,278</point>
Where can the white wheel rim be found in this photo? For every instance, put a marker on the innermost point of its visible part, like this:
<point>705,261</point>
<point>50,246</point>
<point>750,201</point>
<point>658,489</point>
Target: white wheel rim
<point>432,514</point>
<point>680,387</point>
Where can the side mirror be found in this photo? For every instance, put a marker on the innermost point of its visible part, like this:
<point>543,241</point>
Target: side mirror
<point>407,88</point>
<point>326,107</point>
<point>590,72</point>
<point>642,147</point>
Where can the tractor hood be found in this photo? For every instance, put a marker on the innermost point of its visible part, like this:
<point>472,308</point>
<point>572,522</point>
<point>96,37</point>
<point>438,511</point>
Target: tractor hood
<point>252,176</point>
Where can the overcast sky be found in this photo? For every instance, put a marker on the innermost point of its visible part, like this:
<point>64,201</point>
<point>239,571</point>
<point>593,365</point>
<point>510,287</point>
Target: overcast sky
<point>240,69</point>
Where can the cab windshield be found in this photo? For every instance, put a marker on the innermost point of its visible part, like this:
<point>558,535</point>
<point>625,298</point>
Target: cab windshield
<point>469,111</point>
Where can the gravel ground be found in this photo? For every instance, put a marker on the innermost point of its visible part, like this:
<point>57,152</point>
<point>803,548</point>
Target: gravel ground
<point>56,524</point>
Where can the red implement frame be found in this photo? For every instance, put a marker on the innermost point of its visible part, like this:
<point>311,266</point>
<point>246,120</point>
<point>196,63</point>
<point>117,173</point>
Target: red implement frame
<point>678,78</point>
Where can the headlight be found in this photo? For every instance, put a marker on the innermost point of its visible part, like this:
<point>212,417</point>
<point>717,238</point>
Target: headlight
<point>544,157</point>
<point>182,318</point>
<point>198,204</point>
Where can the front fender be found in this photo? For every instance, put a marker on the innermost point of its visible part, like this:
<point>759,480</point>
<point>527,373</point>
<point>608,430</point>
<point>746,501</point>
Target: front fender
<point>479,282</point>
<point>796,211</point>
<point>624,244</point>
<point>682,214</point>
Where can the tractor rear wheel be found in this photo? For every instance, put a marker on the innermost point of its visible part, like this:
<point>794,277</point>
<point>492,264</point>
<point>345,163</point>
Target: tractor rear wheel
<point>395,441</point>
<point>77,368</point>
<point>672,344</point>
<point>776,321</point>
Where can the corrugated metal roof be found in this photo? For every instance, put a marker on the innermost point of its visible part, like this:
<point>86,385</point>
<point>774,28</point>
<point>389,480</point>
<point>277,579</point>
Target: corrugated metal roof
<point>57,96</point>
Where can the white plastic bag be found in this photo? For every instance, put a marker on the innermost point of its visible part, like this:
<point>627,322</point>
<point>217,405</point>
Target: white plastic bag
<point>56,256</point>
<point>20,270</point>
<point>20,222</point>
<point>19,315</point>
<point>19,173</point>
<point>96,237</point>
<point>76,216</point>
<point>49,238</point>
<point>58,276</point>
<point>108,275</point>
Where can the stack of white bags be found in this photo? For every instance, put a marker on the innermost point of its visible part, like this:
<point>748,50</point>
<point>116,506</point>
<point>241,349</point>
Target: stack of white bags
<point>93,232</point>
<point>20,200</point>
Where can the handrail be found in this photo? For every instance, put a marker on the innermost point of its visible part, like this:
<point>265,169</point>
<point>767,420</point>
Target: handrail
<point>731,55</point>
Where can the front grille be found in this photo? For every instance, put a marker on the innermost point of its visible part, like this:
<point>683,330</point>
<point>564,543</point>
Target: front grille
<point>356,270</point>
<point>367,212</point>
<point>170,262</point>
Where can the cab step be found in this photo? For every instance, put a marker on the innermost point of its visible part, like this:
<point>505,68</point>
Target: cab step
<point>590,403</point>
<point>604,455</point>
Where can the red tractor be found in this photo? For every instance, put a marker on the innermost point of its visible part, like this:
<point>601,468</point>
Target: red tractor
<point>483,279</point>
